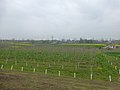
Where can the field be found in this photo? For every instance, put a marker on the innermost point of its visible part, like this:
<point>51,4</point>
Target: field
<point>27,66</point>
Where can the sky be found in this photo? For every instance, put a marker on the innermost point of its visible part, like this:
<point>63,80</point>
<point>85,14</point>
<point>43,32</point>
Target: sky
<point>41,19</point>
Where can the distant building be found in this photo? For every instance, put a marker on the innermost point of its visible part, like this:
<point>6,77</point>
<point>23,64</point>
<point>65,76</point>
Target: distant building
<point>110,46</point>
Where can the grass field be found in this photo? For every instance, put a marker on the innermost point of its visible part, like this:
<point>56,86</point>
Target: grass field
<point>93,45</point>
<point>68,63</point>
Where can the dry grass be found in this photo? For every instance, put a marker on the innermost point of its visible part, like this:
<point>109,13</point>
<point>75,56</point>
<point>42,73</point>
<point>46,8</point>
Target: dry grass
<point>29,81</point>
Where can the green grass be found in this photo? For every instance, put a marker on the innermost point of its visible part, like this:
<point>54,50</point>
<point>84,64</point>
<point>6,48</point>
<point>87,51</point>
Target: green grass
<point>73,58</point>
<point>116,54</point>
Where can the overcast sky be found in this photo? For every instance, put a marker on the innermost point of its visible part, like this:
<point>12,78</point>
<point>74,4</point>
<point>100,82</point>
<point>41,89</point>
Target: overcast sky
<point>41,19</point>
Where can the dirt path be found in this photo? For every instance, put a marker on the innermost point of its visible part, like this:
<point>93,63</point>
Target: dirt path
<point>30,81</point>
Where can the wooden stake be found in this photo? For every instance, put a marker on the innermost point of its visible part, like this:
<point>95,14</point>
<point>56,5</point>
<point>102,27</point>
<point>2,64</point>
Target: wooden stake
<point>45,71</point>
<point>91,76</point>
<point>59,73</point>
<point>1,66</point>
<point>91,70</point>
<point>74,75</point>
<point>115,67</point>
<point>34,70</point>
<point>21,68</point>
<point>110,78</point>
<point>12,67</point>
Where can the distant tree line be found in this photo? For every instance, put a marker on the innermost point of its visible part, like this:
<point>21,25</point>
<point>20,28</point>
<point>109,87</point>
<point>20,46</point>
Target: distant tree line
<point>65,41</point>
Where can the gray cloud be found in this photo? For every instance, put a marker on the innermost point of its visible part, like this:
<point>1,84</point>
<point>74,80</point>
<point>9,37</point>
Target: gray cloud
<point>39,19</point>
